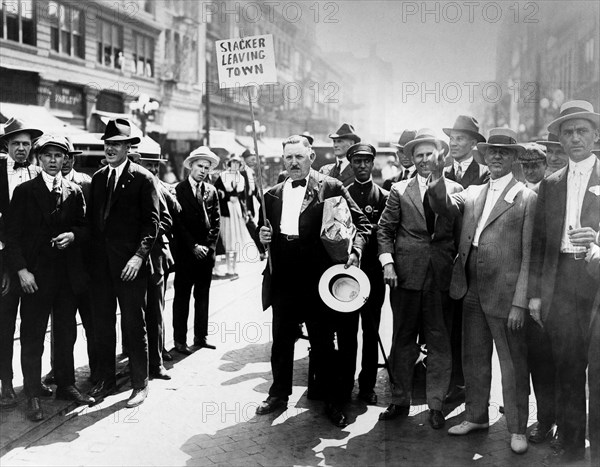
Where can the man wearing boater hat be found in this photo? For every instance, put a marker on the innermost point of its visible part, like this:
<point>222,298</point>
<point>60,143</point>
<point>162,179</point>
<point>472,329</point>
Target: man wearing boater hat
<point>416,251</point>
<point>342,140</point>
<point>561,290</point>
<point>14,170</point>
<point>45,223</point>
<point>490,274</point>
<point>294,214</point>
<point>124,215</point>
<point>407,168</point>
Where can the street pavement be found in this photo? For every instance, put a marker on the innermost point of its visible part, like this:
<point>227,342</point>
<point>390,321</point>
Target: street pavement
<point>205,415</point>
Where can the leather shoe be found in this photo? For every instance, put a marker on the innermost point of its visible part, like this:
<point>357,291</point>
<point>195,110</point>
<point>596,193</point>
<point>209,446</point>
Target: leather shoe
<point>456,394</point>
<point>466,427</point>
<point>159,373</point>
<point>8,397</point>
<point>336,415</point>
<point>183,349</point>
<point>71,393</point>
<point>518,443</point>
<point>436,419</point>
<point>540,433</point>
<point>202,344</point>
<point>272,404</point>
<point>562,456</point>
<point>369,397</point>
<point>167,357</point>
<point>102,389</point>
<point>49,378</point>
<point>394,411</point>
<point>34,409</point>
<point>45,391</point>
<point>137,397</point>
<point>557,441</point>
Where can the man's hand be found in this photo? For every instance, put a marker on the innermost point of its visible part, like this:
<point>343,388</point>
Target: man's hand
<point>265,233</point>
<point>352,261</point>
<point>5,284</point>
<point>27,281</point>
<point>389,275</point>
<point>131,269</point>
<point>535,310</point>
<point>436,164</point>
<point>200,251</point>
<point>516,318</point>
<point>63,240</point>
<point>582,237</point>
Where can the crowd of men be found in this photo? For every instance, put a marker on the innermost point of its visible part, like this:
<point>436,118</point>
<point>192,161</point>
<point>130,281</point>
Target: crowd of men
<point>483,242</point>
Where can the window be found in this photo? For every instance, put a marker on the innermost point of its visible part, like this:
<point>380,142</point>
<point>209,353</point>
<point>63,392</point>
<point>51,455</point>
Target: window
<point>143,55</point>
<point>17,22</point>
<point>66,30</point>
<point>110,45</point>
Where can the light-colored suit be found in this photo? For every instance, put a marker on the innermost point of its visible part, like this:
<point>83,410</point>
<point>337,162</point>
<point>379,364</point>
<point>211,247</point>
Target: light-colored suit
<point>492,279</point>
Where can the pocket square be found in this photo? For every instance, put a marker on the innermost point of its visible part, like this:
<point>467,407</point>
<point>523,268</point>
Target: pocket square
<point>595,189</point>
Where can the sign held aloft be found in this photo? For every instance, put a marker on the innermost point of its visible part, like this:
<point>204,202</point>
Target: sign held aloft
<point>246,61</point>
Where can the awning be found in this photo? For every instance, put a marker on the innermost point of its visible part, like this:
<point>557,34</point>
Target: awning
<point>39,117</point>
<point>265,148</point>
<point>223,142</point>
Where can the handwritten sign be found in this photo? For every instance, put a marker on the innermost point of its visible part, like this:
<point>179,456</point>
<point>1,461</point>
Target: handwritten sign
<point>245,61</point>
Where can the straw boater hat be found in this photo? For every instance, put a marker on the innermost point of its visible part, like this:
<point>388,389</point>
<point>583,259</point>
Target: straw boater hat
<point>202,153</point>
<point>51,140</point>
<point>501,138</point>
<point>571,110</point>
<point>425,135</point>
<point>119,130</point>
<point>344,290</point>
<point>346,131</point>
<point>361,148</point>
<point>534,152</point>
<point>405,137</point>
<point>467,124</point>
<point>15,126</point>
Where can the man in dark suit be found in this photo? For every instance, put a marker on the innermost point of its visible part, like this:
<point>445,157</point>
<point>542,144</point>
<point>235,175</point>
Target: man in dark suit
<point>342,140</point>
<point>416,251</point>
<point>46,218</point>
<point>561,290</point>
<point>294,213</point>
<point>196,234</point>
<point>125,219</point>
<point>14,170</point>
<point>407,168</point>
<point>491,273</point>
<point>371,199</point>
<point>464,169</point>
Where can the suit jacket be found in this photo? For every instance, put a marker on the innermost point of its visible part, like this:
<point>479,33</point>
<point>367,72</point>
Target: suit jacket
<point>387,184</point>
<point>504,251</point>
<point>85,182</point>
<point>161,257</point>
<point>403,233</point>
<point>318,189</point>
<point>476,174</point>
<point>549,221</point>
<point>30,226</point>
<point>4,194</point>
<point>346,176</point>
<point>133,220</point>
<point>192,227</point>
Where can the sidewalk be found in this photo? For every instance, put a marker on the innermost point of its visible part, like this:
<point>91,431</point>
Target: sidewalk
<point>205,415</point>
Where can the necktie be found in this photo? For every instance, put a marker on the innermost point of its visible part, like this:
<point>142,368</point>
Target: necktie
<point>429,215</point>
<point>57,191</point>
<point>336,170</point>
<point>459,173</point>
<point>404,175</point>
<point>20,165</point>
<point>297,183</point>
<point>200,199</point>
<point>110,186</point>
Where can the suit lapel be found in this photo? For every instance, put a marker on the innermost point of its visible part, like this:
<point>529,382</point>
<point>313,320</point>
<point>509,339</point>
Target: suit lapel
<point>479,204</point>
<point>414,194</point>
<point>188,195</point>
<point>471,174</point>
<point>312,190</point>
<point>558,205</point>
<point>40,192</point>
<point>124,180</point>
<point>589,198</point>
<point>277,194</point>
<point>501,205</point>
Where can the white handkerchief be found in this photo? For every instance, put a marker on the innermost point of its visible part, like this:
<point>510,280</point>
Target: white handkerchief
<point>595,189</point>
<point>514,191</point>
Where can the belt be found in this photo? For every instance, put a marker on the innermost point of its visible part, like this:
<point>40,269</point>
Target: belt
<point>579,255</point>
<point>290,238</point>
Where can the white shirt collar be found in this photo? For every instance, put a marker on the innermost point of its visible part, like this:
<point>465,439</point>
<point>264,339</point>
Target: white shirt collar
<point>49,179</point>
<point>501,183</point>
<point>584,166</point>
<point>465,163</point>
<point>364,183</point>
<point>118,169</point>
<point>289,179</point>
<point>421,180</point>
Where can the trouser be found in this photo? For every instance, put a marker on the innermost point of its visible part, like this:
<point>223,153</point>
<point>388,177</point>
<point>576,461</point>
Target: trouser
<point>9,307</point>
<point>155,304</point>
<point>454,324</point>
<point>594,384</point>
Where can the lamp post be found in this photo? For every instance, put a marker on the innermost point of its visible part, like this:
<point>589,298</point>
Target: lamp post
<point>144,108</point>
<point>260,129</point>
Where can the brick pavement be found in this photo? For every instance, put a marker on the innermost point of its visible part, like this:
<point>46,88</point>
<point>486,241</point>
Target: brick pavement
<point>205,414</point>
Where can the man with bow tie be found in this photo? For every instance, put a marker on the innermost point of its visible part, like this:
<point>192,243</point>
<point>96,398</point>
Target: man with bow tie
<point>561,290</point>
<point>342,140</point>
<point>196,234</point>
<point>14,170</point>
<point>294,211</point>
<point>45,225</point>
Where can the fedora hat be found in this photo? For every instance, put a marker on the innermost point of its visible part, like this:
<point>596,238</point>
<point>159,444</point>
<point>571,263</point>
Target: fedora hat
<point>534,152</point>
<point>501,138</point>
<point>202,153</point>
<point>467,124</point>
<point>361,148</point>
<point>405,137</point>
<point>571,110</point>
<point>551,140</point>
<point>14,126</point>
<point>346,131</point>
<point>425,135</point>
<point>119,129</point>
<point>51,140</point>
<point>344,290</point>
